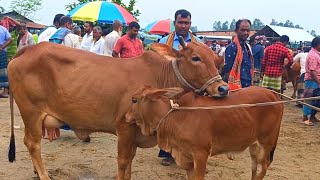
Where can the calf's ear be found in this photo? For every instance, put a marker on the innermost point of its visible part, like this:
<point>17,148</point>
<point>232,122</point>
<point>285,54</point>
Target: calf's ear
<point>156,94</point>
<point>173,91</point>
<point>129,118</point>
<point>165,51</point>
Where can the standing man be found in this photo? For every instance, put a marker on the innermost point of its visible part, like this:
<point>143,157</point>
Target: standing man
<point>64,34</point>
<point>98,41</point>
<point>47,33</point>
<point>312,79</point>
<point>88,37</point>
<point>5,40</point>
<point>238,68</point>
<point>25,38</point>
<point>182,24</point>
<point>129,45</point>
<point>258,52</point>
<point>273,62</point>
<point>112,38</point>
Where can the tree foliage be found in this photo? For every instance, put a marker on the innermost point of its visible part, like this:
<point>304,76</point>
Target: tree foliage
<point>313,33</point>
<point>217,26</point>
<point>130,7</point>
<point>233,24</point>
<point>288,23</point>
<point>257,24</point>
<point>225,26</point>
<point>2,9</point>
<point>26,8</point>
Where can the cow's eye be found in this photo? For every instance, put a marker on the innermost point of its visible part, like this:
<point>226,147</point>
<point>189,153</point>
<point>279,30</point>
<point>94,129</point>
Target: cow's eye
<point>134,100</point>
<point>196,58</point>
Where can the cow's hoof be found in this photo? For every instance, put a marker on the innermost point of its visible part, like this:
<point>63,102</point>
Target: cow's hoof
<point>87,139</point>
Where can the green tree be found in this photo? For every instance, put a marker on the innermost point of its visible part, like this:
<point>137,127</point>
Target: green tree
<point>280,24</point>
<point>257,24</point>
<point>233,24</point>
<point>26,8</point>
<point>1,9</point>
<point>225,26</point>
<point>298,26</point>
<point>313,33</point>
<point>130,7</point>
<point>274,22</point>
<point>217,26</point>
<point>288,23</point>
<point>194,28</point>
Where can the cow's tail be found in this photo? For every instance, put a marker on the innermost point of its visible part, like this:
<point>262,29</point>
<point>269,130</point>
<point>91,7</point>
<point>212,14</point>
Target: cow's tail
<point>12,146</point>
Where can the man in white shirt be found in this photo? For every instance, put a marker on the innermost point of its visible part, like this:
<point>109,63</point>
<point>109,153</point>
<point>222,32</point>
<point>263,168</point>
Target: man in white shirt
<point>87,38</point>
<point>301,57</point>
<point>47,33</point>
<point>112,38</point>
<point>98,41</point>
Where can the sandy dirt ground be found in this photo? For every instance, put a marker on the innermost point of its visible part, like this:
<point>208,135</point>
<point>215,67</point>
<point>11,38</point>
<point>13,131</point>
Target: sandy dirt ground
<point>296,157</point>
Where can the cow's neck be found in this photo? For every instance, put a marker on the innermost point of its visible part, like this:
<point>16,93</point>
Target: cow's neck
<point>167,78</point>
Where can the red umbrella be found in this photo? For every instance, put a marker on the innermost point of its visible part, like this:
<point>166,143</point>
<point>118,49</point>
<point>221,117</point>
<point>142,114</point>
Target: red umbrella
<point>161,27</point>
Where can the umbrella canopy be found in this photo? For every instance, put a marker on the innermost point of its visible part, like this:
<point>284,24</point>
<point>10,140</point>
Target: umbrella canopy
<point>101,11</point>
<point>161,27</point>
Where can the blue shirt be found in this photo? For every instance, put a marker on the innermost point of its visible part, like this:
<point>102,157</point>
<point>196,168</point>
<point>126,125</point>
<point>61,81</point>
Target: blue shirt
<point>257,52</point>
<point>176,40</point>
<point>245,70</point>
<point>4,35</point>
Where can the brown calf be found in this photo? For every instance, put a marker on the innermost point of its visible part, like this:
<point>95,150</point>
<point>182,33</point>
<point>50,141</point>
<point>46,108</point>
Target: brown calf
<point>191,136</point>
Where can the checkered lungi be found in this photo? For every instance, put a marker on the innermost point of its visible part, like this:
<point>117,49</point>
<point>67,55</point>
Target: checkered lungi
<point>300,86</point>
<point>272,82</point>
<point>3,69</point>
<point>256,77</point>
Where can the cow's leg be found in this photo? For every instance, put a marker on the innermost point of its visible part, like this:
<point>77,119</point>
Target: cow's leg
<point>200,163</point>
<point>253,153</point>
<point>295,87</point>
<point>32,139</point>
<point>126,149</point>
<point>262,161</point>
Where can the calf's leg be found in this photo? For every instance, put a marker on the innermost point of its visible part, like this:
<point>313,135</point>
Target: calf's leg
<point>200,162</point>
<point>253,153</point>
<point>126,149</point>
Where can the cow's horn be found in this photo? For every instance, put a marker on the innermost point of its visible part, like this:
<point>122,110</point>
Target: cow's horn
<point>182,42</point>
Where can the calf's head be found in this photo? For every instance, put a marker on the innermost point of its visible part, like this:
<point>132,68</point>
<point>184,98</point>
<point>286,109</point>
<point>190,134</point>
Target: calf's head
<point>196,64</point>
<point>149,106</point>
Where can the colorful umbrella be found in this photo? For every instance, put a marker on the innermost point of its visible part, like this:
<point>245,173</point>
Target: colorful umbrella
<point>161,27</point>
<point>101,11</point>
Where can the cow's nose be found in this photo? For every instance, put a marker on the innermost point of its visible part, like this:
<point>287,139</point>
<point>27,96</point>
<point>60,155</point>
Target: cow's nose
<point>223,90</point>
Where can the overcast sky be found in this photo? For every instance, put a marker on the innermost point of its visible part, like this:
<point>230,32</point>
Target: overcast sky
<point>205,12</point>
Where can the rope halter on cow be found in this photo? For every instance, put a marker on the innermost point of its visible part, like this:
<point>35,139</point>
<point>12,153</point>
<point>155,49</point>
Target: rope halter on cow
<point>185,83</point>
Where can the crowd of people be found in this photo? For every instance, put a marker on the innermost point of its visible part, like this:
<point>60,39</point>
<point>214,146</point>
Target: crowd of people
<point>245,65</point>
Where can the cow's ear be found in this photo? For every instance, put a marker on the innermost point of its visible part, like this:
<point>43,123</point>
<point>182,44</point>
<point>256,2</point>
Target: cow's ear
<point>173,91</point>
<point>165,51</point>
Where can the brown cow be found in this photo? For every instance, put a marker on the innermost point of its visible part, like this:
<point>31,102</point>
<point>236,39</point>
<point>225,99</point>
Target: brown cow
<point>291,74</point>
<point>191,136</point>
<point>54,84</point>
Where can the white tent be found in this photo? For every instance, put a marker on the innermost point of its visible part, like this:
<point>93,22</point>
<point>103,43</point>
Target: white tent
<point>295,34</point>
